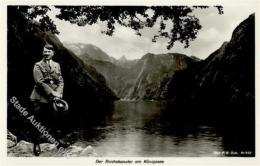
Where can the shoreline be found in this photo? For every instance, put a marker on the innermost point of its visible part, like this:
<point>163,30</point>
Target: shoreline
<point>25,149</point>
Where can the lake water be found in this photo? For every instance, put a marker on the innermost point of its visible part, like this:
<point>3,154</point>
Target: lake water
<point>131,130</point>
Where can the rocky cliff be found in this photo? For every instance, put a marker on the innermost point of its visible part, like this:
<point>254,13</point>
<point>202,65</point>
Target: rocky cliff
<point>143,78</point>
<point>152,73</point>
<point>225,78</point>
<point>220,90</point>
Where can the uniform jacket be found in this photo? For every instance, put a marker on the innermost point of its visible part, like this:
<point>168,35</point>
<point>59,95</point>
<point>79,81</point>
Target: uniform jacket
<point>47,78</point>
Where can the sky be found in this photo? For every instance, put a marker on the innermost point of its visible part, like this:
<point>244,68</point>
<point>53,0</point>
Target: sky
<point>215,30</point>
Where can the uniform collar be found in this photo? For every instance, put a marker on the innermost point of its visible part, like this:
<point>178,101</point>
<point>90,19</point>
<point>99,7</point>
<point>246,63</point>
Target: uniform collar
<point>46,65</point>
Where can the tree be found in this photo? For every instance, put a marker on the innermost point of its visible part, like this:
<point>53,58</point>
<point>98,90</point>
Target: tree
<point>24,17</point>
<point>184,26</point>
<point>22,20</point>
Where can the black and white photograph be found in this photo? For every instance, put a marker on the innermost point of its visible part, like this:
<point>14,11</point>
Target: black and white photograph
<point>150,81</point>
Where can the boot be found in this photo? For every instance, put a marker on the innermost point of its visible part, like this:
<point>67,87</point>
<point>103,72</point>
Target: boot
<point>36,149</point>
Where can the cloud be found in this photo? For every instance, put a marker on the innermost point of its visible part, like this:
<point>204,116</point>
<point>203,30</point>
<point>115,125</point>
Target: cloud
<point>215,30</point>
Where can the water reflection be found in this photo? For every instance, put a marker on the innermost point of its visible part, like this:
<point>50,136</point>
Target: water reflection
<point>131,130</point>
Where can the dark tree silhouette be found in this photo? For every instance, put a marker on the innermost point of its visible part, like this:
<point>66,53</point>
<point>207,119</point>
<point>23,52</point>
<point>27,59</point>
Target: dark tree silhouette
<point>24,17</point>
<point>184,26</point>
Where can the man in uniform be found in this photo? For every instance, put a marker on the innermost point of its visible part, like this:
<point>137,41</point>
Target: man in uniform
<point>48,85</point>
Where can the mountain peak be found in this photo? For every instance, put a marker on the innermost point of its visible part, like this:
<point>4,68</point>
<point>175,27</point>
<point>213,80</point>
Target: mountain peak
<point>123,58</point>
<point>148,56</point>
<point>92,51</point>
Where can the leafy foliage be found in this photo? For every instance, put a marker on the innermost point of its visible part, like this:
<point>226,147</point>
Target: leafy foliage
<point>176,23</point>
<point>184,26</point>
<point>26,16</point>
